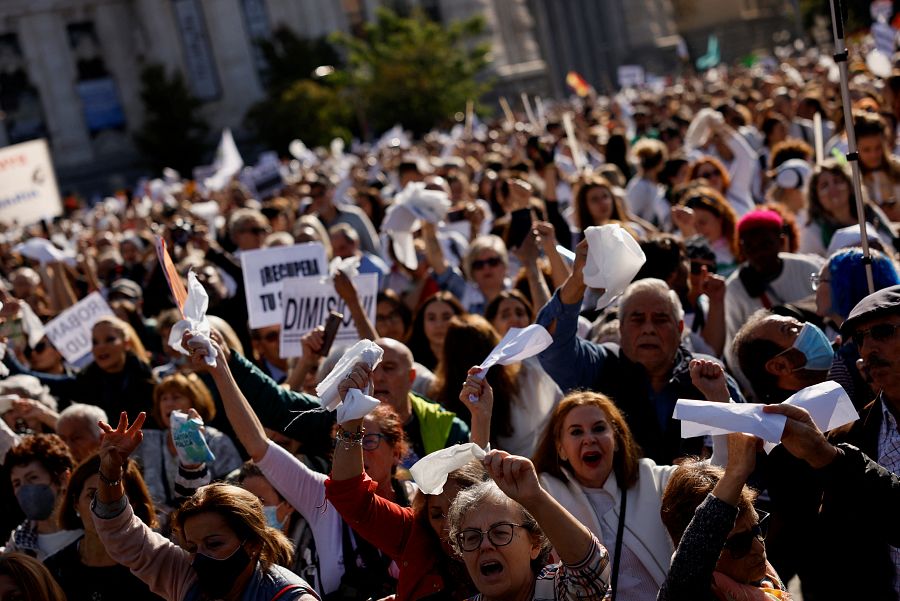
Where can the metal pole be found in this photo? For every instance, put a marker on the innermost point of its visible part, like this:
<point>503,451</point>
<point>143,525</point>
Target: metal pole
<point>840,57</point>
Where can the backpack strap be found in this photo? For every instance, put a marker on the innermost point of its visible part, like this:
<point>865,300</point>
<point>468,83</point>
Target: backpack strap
<point>289,587</point>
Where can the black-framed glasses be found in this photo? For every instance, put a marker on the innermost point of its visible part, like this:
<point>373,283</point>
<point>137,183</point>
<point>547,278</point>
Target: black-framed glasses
<point>879,333</point>
<point>500,535</point>
<point>372,441</point>
<point>739,544</point>
<point>482,263</point>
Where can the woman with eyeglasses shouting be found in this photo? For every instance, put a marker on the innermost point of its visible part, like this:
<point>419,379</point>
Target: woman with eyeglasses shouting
<point>342,565</point>
<point>721,553</point>
<point>504,530</point>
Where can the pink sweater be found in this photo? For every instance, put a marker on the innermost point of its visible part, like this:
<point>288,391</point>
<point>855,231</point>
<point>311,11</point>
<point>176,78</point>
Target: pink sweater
<point>163,565</point>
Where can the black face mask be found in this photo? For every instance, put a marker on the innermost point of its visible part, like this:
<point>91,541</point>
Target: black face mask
<point>217,576</point>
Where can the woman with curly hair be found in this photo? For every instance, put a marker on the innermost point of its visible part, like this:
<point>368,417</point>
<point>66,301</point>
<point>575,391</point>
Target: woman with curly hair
<point>708,214</point>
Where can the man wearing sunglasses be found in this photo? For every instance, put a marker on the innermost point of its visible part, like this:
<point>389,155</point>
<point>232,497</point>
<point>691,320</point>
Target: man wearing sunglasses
<point>874,325</point>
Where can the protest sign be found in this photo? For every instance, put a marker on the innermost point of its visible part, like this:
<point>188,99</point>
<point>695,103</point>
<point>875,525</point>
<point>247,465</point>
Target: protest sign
<point>308,301</point>
<point>630,76</point>
<point>29,193</point>
<point>70,331</point>
<point>265,270</point>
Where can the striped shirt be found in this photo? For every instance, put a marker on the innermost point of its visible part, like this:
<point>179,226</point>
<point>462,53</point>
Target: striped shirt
<point>889,458</point>
<point>587,580</point>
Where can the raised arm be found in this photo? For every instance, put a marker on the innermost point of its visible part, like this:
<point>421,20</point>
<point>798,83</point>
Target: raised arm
<point>347,291</point>
<point>481,407</point>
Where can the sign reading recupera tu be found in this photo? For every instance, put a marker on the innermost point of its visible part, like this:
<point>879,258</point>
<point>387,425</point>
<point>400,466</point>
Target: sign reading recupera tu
<point>266,269</point>
<point>28,191</point>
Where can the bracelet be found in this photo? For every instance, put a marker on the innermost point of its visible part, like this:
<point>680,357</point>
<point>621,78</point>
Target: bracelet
<point>108,482</point>
<point>349,439</point>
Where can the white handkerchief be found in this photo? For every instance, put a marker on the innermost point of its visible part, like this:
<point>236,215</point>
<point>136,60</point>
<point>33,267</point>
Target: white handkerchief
<point>356,405</point>
<point>614,258</point>
<point>43,251</point>
<point>517,345</point>
<point>194,321</point>
<point>430,472</point>
<point>427,205</point>
<point>350,266</point>
<point>828,404</point>
<point>364,350</point>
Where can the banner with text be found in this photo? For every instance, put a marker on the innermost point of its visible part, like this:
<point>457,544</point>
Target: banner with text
<point>266,269</point>
<point>70,331</point>
<point>308,302</point>
<point>29,193</point>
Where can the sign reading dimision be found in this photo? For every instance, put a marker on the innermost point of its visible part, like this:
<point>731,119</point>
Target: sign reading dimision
<point>28,191</point>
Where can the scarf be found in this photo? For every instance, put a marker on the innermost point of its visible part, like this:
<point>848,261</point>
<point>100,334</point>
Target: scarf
<point>769,588</point>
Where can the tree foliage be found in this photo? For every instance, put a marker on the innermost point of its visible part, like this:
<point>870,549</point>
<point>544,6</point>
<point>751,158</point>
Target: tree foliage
<point>290,58</point>
<point>314,112</point>
<point>174,132</point>
<point>414,71</point>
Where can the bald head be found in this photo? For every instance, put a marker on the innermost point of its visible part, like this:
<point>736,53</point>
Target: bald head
<point>394,376</point>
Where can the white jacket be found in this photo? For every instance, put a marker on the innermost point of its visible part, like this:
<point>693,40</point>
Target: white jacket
<point>645,535</point>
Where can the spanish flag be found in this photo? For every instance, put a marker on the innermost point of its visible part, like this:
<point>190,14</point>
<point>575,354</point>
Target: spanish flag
<point>578,84</point>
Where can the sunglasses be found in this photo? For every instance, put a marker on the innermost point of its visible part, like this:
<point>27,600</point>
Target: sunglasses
<point>482,263</point>
<point>880,333</point>
<point>499,535</point>
<point>697,267</point>
<point>40,347</point>
<point>739,544</point>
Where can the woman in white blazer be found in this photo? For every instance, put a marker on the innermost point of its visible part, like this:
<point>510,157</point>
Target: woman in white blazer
<point>589,461</point>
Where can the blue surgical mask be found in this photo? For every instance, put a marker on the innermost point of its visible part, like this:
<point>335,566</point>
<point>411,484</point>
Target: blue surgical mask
<point>815,346</point>
<point>37,501</point>
<point>271,513</point>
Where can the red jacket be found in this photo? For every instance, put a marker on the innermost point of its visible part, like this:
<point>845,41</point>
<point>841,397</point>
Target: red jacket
<point>394,530</point>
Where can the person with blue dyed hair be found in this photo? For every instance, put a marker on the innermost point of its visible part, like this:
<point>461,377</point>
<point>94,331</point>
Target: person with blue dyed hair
<point>841,283</point>
<point>839,286</point>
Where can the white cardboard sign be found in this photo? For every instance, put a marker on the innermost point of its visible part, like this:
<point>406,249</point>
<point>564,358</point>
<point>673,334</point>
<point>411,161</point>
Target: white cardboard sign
<point>70,331</point>
<point>308,302</point>
<point>266,269</point>
<point>29,193</point>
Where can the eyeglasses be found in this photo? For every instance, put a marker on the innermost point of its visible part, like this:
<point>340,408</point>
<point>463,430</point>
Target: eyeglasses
<point>500,535</point>
<point>739,544</point>
<point>880,333</point>
<point>815,280</point>
<point>370,442</point>
<point>709,174</point>
<point>697,267</point>
<point>256,231</point>
<point>40,347</point>
<point>482,263</point>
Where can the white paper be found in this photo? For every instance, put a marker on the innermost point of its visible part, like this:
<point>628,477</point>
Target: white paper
<point>348,266</point>
<point>194,321</point>
<point>70,331</point>
<point>430,472</point>
<point>424,204</point>
<point>356,405</point>
<point>364,350</point>
<point>518,344</point>
<point>828,404</point>
<point>43,251</point>
<point>614,258</point>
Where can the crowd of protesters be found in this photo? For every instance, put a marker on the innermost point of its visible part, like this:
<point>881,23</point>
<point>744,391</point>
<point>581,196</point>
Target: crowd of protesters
<point>736,187</point>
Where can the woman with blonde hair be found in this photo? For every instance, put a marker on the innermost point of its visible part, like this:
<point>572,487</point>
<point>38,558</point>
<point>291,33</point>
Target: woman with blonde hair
<point>704,211</point>
<point>187,393</point>
<point>644,194</point>
<point>227,550</point>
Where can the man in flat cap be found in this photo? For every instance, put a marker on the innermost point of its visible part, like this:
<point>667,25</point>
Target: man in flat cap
<point>874,325</point>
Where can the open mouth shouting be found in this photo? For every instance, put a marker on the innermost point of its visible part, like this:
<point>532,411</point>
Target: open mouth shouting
<point>490,568</point>
<point>591,458</point>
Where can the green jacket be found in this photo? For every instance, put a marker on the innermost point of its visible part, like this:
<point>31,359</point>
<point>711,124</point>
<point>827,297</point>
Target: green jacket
<point>440,428</point>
